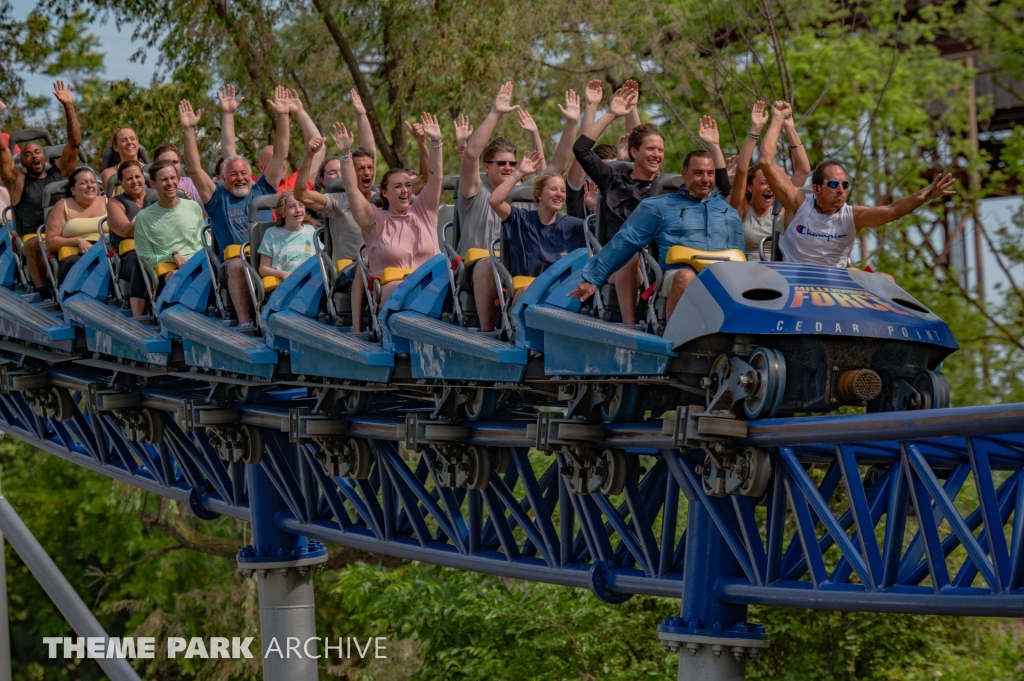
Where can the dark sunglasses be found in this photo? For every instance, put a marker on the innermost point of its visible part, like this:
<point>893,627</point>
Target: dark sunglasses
<point>502,164</point>
<point>833,184</point>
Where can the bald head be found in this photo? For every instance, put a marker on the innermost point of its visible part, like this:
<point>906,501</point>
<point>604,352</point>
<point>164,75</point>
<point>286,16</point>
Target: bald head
<point>265,156</point>
<point>33,159</point>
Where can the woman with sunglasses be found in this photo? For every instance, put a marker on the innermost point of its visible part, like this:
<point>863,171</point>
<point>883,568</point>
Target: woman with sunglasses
<point>822,227</point>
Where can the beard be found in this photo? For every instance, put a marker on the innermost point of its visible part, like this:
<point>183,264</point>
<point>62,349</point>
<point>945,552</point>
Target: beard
<point>240,192</point>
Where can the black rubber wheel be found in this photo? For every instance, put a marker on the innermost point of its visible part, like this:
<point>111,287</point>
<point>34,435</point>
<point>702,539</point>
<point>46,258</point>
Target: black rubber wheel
<point>154,423</point>
<point>357,451</point>
<point>480,405</point>
<point>356,402</point>
<point>252,444</point>
<point>479,467</point>
<point>620,403</point>
<point>245,393</point>
<point>771,376</point>
<point>63,404</point>
<point>615,471</point>
<point>933,387</point>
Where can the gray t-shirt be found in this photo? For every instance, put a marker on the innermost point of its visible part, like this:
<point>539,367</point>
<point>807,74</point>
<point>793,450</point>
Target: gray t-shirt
<point>478,224</point>
<point>346,237</point>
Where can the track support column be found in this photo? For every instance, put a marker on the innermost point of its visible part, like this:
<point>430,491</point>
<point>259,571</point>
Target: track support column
<point>283,564</point>
<point>713,638</point>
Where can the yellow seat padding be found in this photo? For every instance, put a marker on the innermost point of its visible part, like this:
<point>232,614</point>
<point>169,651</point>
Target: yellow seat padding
<point>474,254</point>
<point>698,260</point>
<point>391,274</point>
<point>521,282</point>
<point>232,251</point>
<point>163,268</point>
<point>270,283</point>
<point>67,252</point>
<point>28,237</point>
<point>342,264</point>
<point>126,247</point>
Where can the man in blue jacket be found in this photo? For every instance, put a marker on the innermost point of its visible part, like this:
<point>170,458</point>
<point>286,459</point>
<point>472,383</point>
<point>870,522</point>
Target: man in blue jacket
<point>697,216</point>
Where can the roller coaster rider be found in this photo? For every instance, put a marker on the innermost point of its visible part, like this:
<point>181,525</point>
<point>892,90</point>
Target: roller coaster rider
<point>697,216</point>
<point>26,184</point>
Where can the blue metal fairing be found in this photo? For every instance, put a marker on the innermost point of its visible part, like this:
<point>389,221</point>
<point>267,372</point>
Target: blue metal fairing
<point>439,349</point>
<point>24,321</point>
<point>8,263</point>
<point>292,316</point>
<point>207,341</point>
<point>774,298</point>
<point>580,345</point>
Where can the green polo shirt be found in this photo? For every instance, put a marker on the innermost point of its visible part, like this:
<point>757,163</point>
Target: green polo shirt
<point>159,232</point>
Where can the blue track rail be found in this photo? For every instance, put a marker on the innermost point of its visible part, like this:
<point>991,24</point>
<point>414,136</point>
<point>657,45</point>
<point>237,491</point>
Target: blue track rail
<point>917,512</point>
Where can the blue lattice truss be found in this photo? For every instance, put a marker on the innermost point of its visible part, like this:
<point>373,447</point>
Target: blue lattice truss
<point>914,512</point>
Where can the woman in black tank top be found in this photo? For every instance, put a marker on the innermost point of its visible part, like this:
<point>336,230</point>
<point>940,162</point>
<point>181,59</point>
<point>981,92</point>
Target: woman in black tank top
<point>121,212</point>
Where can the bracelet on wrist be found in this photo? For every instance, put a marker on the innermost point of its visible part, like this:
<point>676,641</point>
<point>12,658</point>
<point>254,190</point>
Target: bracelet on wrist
<point>345,157</point>
<point>462,151</point>
<point>794,146</point>
<point>753,136</point>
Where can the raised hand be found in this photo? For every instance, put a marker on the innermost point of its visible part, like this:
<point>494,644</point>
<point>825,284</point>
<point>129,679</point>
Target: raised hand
<point>229,102</point>
<point>315,145</point>
<point>463,130</point>
<point>357,102</point>
<point>342,138</point>
<point>294,103</point>
<point>782,110</point>
<point>62,92</point>
<point>590,194</point>
<point>280,104</point>
<point>707,131</point>
<point>623,102</point>
<point>622,151</point>
<point>531,163</point>
<point>632,85</point>
<point>730,165</point>
<point>503,102</point>
<point>594,92</point>
<point>572,106</point>
<point>416,130</point>
<point>431,128</point>
<point>526,121</point>
<point>189,118</point>
<point>941,186</point>
<point>758,117</point>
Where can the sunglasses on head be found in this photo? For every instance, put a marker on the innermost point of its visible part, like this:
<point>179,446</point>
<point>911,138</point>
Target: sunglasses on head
<point>502,164</point>
<point>834,184</point>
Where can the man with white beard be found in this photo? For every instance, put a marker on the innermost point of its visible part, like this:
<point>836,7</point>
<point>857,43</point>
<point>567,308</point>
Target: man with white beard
<point>228,206</point>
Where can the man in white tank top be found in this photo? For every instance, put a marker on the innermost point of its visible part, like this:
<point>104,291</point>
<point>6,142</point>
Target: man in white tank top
<point>821,227</point>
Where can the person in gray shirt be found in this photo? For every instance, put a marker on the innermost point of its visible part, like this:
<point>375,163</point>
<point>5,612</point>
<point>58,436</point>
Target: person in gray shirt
<point>479,225</point>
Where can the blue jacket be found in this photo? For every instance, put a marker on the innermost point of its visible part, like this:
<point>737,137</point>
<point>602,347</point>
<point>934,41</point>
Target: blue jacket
<point>669,220</point>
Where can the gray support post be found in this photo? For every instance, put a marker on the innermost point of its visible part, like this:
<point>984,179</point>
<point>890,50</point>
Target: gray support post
<point>287,611</point>
<point>5,632</point>
<point>60,591</point>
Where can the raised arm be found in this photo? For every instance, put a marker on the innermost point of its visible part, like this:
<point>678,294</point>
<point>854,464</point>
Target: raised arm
<point>527,123</point>
<point>9,173</point>
<point>362,210</point>
<point>876,216</point>
<point>789,196</point>
<point>363,128</point>
<point>308,129</point>
<point>431,193</point>
<point>68,159</point>
<point>229,104</point>
<point>498,199</point>
<point>313,200</point>
<point>621,105</point>
<point>758,119</point>
<point>469,168</point>
<point>194,165</point>
<point>463,131</point>
<point>801,164</point>
<point>633,117</point>
<point>563,152</point>
<point>416,130</point>
<point>707,132</point>
<point>280,106</point>
<point>593,94</point>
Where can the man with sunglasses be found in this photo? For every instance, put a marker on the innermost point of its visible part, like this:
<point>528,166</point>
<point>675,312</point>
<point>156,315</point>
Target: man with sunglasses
<point>822,227</point>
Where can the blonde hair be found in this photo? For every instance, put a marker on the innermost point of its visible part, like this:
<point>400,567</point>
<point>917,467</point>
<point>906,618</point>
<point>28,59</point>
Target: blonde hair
<point>282,207</point>
<point>540,182</point>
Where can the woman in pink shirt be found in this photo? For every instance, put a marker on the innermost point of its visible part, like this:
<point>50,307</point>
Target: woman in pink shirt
<point>401,234</point>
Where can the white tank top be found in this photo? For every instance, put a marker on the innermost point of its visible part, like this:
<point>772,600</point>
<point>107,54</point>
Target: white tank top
<point>816,239</point>
<point>755,229</point>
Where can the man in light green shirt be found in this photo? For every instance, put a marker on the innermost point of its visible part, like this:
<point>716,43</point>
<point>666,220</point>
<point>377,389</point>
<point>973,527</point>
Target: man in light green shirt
<point>168,231</point>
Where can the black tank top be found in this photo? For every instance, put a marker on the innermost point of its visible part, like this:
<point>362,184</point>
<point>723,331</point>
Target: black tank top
<point>131,209</point>
<point>28,212</point>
